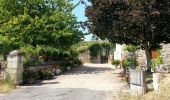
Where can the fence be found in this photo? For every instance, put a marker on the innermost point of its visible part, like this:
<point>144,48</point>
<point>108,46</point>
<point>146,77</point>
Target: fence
<point>3,66</point>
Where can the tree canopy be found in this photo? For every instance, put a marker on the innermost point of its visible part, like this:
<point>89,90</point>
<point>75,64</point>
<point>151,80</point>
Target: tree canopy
<point>39,22</point>
<point>138,22</point>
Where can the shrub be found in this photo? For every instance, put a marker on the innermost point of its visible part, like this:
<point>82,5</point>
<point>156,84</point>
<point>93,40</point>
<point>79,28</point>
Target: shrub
<point>131,48</point>
<point>116,62</point>
<point>45,74</point>
<point>129,62</point>
<point>156,62</point>
<point>30,76</point>
<point>74,53</point>
<point>77,62</point>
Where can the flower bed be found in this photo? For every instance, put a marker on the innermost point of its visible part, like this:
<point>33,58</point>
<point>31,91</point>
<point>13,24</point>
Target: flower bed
<point>41,72</point>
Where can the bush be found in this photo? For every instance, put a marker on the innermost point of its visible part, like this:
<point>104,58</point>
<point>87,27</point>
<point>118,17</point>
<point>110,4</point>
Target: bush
<point>77,62</point>
<point>156,62</point>
<point>129,62</point>
<point>74,53</point>
<point>30,76</point>
<point>45,74</point>
<point>131,48</point>
<point>116,62</point>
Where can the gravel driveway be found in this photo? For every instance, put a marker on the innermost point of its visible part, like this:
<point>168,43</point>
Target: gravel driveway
<point>90,82</point>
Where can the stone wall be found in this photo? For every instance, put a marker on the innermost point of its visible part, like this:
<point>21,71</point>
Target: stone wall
<point>85,57</point>
<point>141,57</point>
<point>166,53</point>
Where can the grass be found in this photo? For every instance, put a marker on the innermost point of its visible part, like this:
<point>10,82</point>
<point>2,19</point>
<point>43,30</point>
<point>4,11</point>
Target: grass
<point>6,86</point>
<point>162,94</point>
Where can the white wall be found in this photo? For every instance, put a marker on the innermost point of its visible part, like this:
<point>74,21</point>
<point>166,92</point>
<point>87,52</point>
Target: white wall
<point>118,52</point>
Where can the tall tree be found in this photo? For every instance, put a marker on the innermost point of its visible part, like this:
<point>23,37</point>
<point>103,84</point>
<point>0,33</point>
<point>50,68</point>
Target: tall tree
<point>138,22</point>
<point>39,22</point>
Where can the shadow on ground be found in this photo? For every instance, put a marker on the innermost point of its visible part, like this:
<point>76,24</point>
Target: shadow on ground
<point>87,70</point>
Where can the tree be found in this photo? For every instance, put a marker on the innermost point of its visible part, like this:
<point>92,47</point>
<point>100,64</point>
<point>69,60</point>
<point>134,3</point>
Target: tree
<point>39,22</point>
<point>138,22</point>
<point>6,45</point>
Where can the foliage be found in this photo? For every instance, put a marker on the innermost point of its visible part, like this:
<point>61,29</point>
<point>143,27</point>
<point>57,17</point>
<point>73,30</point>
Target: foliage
<point>30,75</point>
<point>116,62</point>
<point>77,62</point>
<point>95,47</point>
<point>156,62</point>
<point>99,49</point>
<point>45,74</point>
<point>74,53</point>
<point>38,22</point>
<point>129,62</point>
<point>43,55</point>
<point>145,23</point>
<point>131,48</point>
<point>6,45</point>
<point>64,63</point>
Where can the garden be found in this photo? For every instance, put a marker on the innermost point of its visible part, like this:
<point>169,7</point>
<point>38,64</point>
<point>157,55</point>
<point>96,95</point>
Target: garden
<point>46,62</point>
<point>39,30</point>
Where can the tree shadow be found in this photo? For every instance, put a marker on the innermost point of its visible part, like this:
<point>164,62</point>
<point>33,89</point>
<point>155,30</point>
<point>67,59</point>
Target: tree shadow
<point>87,70</point>
<point>40,83</point>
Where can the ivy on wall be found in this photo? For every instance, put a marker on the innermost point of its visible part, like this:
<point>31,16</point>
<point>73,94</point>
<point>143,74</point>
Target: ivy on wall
<point>95,48</point>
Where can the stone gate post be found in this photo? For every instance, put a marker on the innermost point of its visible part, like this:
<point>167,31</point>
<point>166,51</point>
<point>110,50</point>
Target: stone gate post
<point>137,82</point>
<point>156,80</point>
<point>15,66</point>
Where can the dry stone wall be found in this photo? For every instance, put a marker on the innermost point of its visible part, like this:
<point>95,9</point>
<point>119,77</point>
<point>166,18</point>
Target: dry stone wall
<point>166,53</point>
<point>141,57</point>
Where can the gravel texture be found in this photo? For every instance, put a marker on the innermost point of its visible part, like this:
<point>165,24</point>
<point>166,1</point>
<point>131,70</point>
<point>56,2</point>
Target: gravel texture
<point>89,82</point>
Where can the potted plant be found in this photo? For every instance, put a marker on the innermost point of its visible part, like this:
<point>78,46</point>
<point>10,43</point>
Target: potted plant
<point>116,62</point>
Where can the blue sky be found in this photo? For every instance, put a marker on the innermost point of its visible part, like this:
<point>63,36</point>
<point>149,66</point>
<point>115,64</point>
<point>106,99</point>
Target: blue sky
<point>79,12</point>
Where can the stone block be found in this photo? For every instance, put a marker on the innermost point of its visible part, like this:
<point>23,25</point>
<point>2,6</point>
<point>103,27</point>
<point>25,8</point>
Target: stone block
<point>137,77</point>
<point>137,90</point>
<point>137,82</point>
<point>157,77</point>
<point>58,71</point>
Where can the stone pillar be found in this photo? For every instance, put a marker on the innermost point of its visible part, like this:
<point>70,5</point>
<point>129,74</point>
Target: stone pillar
<point>137,82</point>
<point>110,58</point>
<point>15,66</point>
<point>156,79</point>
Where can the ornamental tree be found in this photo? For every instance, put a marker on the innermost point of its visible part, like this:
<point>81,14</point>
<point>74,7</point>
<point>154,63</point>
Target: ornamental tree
<point>138,22</point>
<point>39,22</point>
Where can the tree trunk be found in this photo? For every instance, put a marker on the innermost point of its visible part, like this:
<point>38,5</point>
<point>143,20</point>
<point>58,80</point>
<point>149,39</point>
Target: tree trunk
<point>148,57</point>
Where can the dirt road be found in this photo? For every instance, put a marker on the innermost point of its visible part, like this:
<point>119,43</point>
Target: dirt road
<point>90,82</point>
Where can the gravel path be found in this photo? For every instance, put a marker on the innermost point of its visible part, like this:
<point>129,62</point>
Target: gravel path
<point>90,82</point>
